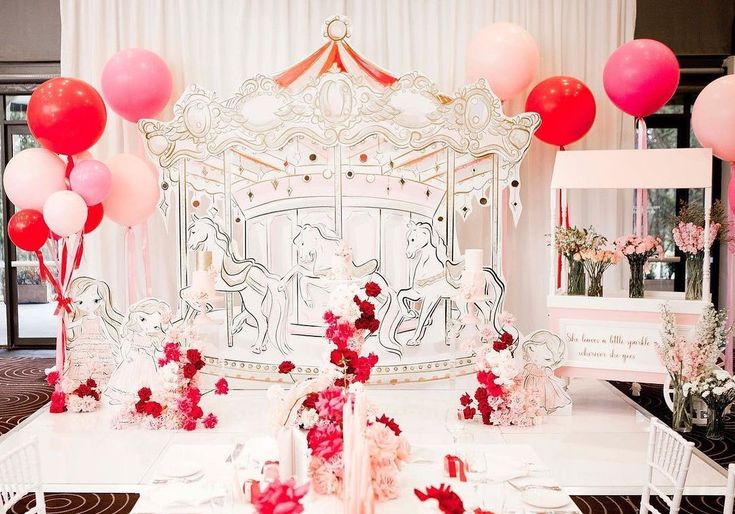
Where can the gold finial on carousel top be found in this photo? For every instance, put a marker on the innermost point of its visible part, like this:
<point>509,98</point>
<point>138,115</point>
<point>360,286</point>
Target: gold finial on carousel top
<point>337,28</point>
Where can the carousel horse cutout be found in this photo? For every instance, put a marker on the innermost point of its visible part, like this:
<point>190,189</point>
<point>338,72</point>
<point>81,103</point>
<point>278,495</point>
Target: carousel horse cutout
<point>264,304</point>
<point>433,278</point>
<point>315,246</point>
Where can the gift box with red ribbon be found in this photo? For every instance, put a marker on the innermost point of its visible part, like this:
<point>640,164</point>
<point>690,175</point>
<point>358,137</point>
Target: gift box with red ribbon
<point>455,467</point>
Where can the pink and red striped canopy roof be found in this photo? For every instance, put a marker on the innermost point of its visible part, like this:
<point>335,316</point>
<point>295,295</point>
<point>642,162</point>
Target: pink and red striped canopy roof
<point>337,55</point>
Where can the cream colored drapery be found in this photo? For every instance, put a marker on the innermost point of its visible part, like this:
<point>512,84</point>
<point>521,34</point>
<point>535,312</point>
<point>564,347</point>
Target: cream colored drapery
<point>219,43</point>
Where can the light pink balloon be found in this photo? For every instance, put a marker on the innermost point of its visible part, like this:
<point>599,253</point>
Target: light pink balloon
<point>506,56</point>
<point>136,83</point>
<point>713,118</point>
<point>32,176</point>
<point>134,193</point>
<point>65,213</point>
<point>641,76</point>
<point>92,180</point>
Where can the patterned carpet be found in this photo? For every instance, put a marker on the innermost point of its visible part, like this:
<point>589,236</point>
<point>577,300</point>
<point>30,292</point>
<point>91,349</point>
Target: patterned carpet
<point>651,399</point>
<point>86,503</point>
<point>630,504</point>
<point>23,389</point>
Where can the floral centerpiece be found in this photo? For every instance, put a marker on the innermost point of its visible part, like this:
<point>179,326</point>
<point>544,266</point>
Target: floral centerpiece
<point>717,391</point>
<point>500,399</point>
<point>316,405</point>
<point>596,260</point>
<point>637,250</point>
<point>174,401</point>
<point>689,238</point>
<point>71,396</point>
<point>570,242</point>
<point>687,360</point>
<point>281,498</point>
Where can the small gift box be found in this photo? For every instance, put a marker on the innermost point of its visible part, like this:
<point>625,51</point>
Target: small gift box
<point>455,467</point>
<point>270,471</point>
<point>251,490</point>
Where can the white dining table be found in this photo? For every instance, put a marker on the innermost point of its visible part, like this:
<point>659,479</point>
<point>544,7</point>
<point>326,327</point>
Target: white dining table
<point>216,480</point>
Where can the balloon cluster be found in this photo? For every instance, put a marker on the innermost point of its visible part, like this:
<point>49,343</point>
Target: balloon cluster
<point>639,77</point>
<point>53,197</point>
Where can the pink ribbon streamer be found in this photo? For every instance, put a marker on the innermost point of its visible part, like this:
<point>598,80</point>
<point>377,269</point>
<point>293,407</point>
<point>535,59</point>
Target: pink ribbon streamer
<point>641,198</point>
<point>146,257</point>
<point>729,289</point>
<point>130,253</point>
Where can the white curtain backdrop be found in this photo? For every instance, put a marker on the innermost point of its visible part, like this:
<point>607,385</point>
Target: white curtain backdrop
<point>218,44</point>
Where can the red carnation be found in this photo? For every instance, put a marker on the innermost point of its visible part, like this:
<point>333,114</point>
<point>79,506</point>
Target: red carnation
<point>188,424</point>
<point>372,289</point>
<point>449,502</point>
<point>390,423</point>
<point>221,386</point>
<point>53,378</point>
<point>362,367</point>
<point>465,399</point>
<point>286,367</point>
<point>329,317</point>
<point>58,402</point>
<point>91,383</point>
<point>144,393</point>
<point>310,400</point>
<point>196,412</point>
<point>210,421</point>
<point>194,394</point>
<point>190,370</point>
<point>153,409</point>
<point>172,352</point>
<point>469,412</point>
<point>140,407</point>
<point>342,357</point>
<point>193,355</point>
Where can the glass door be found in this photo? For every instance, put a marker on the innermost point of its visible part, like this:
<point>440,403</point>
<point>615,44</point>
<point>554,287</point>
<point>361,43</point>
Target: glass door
<point>28,317</point>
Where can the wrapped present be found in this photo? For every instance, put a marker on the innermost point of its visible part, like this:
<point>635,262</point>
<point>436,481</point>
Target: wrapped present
<point>251,490</point>
<point>455,467</point>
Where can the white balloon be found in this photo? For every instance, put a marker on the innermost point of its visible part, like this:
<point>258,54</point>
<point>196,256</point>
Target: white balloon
<point>65,213</point>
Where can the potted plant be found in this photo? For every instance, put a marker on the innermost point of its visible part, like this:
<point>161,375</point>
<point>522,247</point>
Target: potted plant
<point>31,288</point>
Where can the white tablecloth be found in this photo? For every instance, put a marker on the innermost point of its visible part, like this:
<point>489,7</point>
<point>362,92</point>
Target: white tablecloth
<point>423,470</point>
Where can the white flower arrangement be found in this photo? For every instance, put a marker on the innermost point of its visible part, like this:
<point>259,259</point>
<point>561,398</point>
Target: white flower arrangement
<point>716,389</point>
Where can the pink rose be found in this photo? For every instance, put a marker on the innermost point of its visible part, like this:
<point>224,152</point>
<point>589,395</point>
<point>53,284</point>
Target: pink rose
<point>385,482</point>
<point>326,478</point>
<point>383,444</point>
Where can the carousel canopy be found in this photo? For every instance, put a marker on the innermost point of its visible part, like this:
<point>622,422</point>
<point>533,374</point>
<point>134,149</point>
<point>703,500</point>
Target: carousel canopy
<point>334,55</point>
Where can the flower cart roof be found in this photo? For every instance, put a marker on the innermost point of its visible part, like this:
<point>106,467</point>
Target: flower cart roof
<point>336,98</point>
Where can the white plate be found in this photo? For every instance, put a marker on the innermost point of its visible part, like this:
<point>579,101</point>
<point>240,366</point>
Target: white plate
<point>545,498</point>
<point>180,468</point>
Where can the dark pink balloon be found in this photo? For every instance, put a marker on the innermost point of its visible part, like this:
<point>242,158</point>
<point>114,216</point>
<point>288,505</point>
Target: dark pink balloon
<point>136,83</point>
<point>92,180</point>
<point>641,76</point>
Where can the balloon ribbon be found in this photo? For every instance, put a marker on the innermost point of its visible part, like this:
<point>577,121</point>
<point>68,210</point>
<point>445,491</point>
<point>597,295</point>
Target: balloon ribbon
<point>130,252</point>
<point>641,198</point>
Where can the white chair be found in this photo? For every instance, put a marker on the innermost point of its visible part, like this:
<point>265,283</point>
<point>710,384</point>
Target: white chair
<point>669,455</point>
<point>20,474</point>
<point>730,493</point>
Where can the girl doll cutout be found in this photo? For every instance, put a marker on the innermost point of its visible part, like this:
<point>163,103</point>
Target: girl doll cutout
<point>93,332</point>
<point>543,352</point>
<point>143,336</point>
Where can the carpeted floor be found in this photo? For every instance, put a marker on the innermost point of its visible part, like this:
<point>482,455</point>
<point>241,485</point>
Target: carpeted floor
<point>81,503</point>
<point>23,390</point>
<point>651,399</point>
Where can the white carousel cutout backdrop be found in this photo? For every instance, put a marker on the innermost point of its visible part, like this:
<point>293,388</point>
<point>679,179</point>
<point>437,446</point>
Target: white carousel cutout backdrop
<point>335,149</point>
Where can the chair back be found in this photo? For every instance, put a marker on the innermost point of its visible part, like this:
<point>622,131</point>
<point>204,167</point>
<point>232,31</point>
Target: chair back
<point>730,493</point>
<point>20,474</point>
<point>668,456</point>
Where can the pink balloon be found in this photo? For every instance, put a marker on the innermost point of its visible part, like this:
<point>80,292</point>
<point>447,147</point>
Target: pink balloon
<point>641,76</point>
<point>136,83</point>
<point>506,56</point>
<point>134,193</point>
<point>713,118</point>
<point>32,176</point>
<point>92,180</point>
<point>65,213</point>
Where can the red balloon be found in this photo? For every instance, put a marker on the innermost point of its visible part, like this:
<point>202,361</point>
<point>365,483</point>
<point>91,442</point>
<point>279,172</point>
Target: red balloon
<point>94,217</point>
<point>66,115</point>
<point>27,230</point>
<point>567,109</point>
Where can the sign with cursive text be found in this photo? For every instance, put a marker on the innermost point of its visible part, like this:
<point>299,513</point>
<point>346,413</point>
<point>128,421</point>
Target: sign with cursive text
<point>612,345</point>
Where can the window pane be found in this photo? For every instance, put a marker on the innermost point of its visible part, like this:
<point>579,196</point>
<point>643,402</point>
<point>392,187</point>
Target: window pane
<point>693,141</point>
<point>16,107</point>
<point>22,142</point>
<point>662,137</point>
<point>671,109</point>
